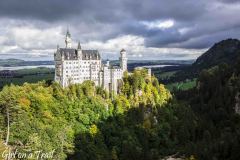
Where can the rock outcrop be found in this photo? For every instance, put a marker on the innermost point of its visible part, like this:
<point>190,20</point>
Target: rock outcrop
<point>237,105</point>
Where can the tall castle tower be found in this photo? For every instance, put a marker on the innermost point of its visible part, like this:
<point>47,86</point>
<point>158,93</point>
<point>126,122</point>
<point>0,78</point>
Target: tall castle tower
<point>123,60</point>
<point>68,40</point>
<point>79,51</point>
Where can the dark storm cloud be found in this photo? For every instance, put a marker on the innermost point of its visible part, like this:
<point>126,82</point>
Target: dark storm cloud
<point>103,11</point>
<point>106,10</point>
<point>52,10</point>
<point>151,9</point>
<point>205,21</point>
<point>230,1</point>
<point>208,40</point>
<point>40,9</point>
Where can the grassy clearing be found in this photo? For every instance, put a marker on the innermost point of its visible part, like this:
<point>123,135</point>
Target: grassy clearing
<point>188,84</point>
<point>163,75</point>
<point>182,85</point>
<point>166,75</point>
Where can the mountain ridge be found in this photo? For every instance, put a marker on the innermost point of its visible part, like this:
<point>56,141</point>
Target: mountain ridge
<point>225,51</point>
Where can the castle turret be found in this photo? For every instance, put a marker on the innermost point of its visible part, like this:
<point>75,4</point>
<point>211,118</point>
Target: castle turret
<point>79,51</point>
<point>55,53</point>
<point>123,60</point>
<point>107,63</point>
<point>68,40</point>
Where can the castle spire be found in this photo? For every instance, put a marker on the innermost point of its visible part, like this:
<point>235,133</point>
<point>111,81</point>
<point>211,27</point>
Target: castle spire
<point>68,33</point>
<point>68,40</point>
<point>79,46</point>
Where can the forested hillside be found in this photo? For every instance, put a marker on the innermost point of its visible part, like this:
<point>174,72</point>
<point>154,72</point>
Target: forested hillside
<point>226,51</point>
<point>83,122</point>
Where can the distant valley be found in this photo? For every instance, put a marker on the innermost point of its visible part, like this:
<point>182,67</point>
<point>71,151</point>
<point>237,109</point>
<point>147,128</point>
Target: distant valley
<point>18,71</point>
<point>132,63</point>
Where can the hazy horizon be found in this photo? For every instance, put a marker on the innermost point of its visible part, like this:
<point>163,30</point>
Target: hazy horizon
<point>26,58</point>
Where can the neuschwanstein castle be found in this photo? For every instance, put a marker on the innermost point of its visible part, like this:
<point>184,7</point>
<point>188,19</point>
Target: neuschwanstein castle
<point>78,65</point>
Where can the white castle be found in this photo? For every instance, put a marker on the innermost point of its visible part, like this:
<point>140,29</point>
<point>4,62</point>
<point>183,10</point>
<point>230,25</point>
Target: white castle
<point>76,66</point>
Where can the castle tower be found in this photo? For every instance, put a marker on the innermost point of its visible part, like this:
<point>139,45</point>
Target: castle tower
<point>79,51</point>
<point>68,40</point>
<point>123,60</point>
<point>107,63</point>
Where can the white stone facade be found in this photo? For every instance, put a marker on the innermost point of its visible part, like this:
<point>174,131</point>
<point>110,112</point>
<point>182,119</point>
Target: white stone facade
<point>76,66</point>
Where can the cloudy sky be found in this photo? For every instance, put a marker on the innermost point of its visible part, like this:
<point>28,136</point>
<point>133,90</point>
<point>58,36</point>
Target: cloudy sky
<point>147,29</point>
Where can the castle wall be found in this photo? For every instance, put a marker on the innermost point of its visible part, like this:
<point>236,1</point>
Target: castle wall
<point>78,71</point>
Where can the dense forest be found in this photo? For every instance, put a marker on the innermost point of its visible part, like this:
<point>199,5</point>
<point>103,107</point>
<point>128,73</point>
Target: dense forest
<point>84,121</point>
<point>215,103</point>
<point>144,122</point>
